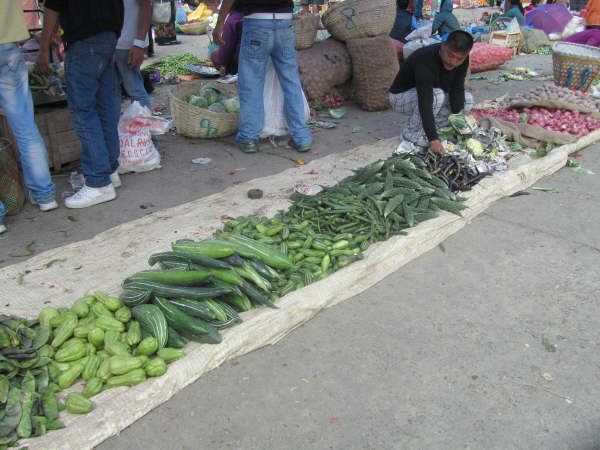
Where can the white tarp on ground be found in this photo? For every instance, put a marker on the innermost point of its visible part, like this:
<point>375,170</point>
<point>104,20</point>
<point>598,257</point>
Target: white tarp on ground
<point>102,263</point>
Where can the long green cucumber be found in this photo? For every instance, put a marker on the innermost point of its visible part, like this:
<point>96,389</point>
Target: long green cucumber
<point>174,277</point>
<point>190,258</point>
<point>256,296</point>
<point>194,308</point>
<point>133,297</point>
<point>163,290</point>
<point>213,248</point>
<point>253,249</point>
<point>181,321</point>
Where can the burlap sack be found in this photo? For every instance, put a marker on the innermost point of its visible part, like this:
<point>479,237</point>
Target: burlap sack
<point>532,39</point>
<point>322,67</point>
<point>375,65</point>
<point>531,136</point>
<point>12,194</point>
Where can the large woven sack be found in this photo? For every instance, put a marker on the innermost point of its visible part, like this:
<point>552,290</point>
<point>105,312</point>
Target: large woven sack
<point>375,65</point>
<point>533,39</point>
<point>354,19</point>
<point>322,67</point>
<point>488,56</point>
<point>12,194</point>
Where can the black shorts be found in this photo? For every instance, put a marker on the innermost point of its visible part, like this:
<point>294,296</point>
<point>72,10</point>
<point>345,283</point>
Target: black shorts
<point>312,2</point>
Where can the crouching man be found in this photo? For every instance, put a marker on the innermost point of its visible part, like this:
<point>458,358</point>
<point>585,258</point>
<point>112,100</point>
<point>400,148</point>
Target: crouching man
<point>430,86</point>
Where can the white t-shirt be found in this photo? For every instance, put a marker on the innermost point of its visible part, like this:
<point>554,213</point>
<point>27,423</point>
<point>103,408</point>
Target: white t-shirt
<point>130,25</point>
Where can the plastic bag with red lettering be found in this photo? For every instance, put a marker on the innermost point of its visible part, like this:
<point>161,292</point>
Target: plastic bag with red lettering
<point>136,127</point>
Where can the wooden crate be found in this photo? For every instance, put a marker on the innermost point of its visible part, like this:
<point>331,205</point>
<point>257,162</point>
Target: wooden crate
<point>506,39</point>
<point>56,128</point>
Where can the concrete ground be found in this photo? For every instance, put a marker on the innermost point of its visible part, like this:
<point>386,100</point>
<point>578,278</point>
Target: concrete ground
<point>446,353</point>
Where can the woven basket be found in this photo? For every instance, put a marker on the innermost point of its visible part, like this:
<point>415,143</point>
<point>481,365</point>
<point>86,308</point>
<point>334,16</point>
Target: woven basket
<point>195,122</point>
<point>306,28</point>
<point>575,65</point>
<point>353,19</point>
<point>194,28</point>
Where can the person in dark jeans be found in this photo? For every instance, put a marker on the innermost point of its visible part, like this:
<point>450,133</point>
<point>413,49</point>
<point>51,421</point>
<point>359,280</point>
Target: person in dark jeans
<point>403,24</point>
<point>91,29</point>
<point>268,33</point>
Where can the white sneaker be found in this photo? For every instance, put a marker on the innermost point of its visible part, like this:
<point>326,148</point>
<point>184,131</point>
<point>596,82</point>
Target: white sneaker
<point>115,179</point>
<point>44,206</point>
<point>2,228</point>
<point>90,196</point>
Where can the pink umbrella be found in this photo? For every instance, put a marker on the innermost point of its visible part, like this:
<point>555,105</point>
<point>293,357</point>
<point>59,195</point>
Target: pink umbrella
<point>552,18</point>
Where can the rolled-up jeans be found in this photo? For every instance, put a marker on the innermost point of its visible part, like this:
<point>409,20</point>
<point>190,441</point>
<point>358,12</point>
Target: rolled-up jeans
<point>408,103</point>
<point>91,84</point>
<point>16,101</point>
<point>263,39</point>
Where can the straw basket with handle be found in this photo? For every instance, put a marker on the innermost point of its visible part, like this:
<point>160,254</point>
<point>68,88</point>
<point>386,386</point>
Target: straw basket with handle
<point>306,28</point>
<point>353,19</point>
<point>195,122</point>
<point>575,65</point>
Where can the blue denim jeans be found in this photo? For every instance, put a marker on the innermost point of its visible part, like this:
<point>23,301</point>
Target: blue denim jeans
<point>261,40</point>
<point>15,100</point>
<point>131,79</point>
<point>91,84</point>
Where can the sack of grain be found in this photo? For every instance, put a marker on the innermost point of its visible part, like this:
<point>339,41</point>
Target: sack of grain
<point>375,65</point>
<point>324,66</point>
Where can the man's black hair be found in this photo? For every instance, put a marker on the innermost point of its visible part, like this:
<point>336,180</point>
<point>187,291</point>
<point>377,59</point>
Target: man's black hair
<point>460,40</point>
<point>402,4</point>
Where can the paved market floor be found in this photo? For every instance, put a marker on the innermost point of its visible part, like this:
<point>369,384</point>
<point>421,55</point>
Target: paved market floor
<point>446,353</point>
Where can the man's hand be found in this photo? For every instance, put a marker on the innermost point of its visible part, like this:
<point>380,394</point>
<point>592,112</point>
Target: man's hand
<point>136,57</point>
<point>43,62</point>
<point>436,146</point>
<point>217,32</point>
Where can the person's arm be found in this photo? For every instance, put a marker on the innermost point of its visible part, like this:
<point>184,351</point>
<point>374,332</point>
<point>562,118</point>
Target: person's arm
<point>223,13</point>
<point>48,32</point>
<point>136,54</point>
<point>424,83</point>
<point>456,96</point>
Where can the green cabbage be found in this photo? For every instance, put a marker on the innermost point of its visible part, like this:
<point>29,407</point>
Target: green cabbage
<point>217,107</point>
<point>211,94</point>
<point>232,105</point>
<point>198,101</point>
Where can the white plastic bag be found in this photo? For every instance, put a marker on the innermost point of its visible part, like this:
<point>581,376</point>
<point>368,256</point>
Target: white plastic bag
<point>161,12</point>
<point>136,127</point>
<point>275,122</point>
<point>575,25</point>
<point>513,26</point>
<point>411,46</point>
<point>423,32</point>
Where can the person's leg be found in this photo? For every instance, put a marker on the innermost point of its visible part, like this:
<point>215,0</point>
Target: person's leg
<point>108,107</point>
<point>85,62</point>
<point>286,65</point>
<point>441,118</point>
<point>131,79</point>
<point>418,9</point>
<point>2,214</point>
<point>255,48</point>
<point>16,101</point>
<point>414,131</point>
<point>305,7</point>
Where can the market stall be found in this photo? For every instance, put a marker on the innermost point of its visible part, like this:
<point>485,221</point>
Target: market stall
<point>377,213</point>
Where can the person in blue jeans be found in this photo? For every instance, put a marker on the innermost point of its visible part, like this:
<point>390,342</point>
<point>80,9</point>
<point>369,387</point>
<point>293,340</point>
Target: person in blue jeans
<point>90,31</point>
<point>268,32</point>
<point>16,101</point>
<point>131,45</point>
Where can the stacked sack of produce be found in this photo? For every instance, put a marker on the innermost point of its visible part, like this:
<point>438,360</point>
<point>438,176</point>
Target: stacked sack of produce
<point>365,27</point>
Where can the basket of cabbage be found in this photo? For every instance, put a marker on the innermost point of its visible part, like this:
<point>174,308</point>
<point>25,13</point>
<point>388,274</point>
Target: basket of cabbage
<point>204,109</point>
